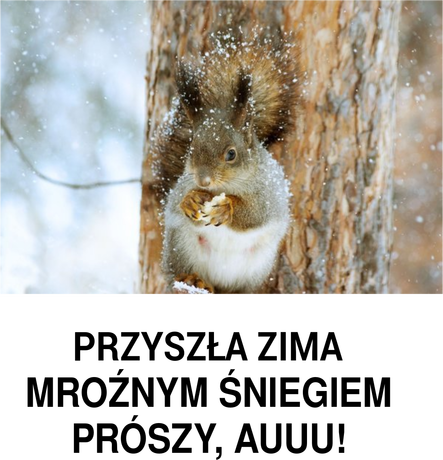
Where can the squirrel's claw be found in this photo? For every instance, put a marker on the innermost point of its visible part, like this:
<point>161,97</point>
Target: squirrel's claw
<point>221,213</point>
<point>192,204</point>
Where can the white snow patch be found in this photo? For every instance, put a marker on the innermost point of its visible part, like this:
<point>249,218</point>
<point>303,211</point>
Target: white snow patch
<point>181,286</point>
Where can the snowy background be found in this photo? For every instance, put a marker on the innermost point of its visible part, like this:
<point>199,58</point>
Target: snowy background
<point>416,261</point>
<point>73,94</point>
<point>72,81</point>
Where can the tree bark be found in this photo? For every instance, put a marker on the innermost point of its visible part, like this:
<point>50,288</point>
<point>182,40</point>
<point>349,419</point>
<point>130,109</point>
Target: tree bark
<point>339,161</point>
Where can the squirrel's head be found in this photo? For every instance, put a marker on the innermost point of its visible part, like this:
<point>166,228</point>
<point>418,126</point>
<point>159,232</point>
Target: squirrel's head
<point>223,141</point>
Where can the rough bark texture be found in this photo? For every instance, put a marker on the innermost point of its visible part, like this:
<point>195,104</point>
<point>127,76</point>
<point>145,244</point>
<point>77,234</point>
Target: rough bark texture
<point>341,158</point>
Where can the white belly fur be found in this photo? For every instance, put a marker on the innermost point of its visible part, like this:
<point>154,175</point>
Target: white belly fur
<point>231,259</point>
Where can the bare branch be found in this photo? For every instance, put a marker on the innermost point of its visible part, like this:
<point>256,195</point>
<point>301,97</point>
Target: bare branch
<point>42,176</point>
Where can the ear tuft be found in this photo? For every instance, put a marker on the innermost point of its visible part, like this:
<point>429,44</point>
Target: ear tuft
<point>240,116</point>
<point>188,90</point>
<point>244,88</point>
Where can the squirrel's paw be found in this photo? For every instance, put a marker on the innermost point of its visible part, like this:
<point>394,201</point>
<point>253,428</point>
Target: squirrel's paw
<point>218,211</point>
<point>195,284</point>
<point>193,204</point>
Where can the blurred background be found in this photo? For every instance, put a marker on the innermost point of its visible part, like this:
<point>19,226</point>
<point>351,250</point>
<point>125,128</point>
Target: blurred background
<point>72,95</point>
<point>416,261</point>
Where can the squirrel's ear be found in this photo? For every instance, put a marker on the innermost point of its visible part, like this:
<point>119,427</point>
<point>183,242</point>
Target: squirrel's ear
<point>241,117</point>
<point>188,90</point>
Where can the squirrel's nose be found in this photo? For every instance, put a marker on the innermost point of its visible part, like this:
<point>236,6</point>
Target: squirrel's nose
<point>203,180</point>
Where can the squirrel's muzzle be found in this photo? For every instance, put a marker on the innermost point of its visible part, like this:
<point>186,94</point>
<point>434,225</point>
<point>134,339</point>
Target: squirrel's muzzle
<point>203,178</point>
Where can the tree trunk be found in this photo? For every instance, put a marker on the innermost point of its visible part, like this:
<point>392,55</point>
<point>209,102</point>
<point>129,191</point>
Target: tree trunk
<point>340,160</point>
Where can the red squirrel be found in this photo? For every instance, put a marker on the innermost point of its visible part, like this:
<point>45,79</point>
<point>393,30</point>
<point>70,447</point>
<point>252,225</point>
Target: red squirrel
<point>226,208</point>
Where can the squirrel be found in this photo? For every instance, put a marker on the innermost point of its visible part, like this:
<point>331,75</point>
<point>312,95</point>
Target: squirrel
<point>226,199</point>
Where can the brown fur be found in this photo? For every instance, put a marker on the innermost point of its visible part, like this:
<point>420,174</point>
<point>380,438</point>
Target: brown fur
<point>253,80</point>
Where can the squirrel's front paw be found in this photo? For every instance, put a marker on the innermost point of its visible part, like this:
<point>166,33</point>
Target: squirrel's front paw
<point>218,211</point>
<point>194,202</point>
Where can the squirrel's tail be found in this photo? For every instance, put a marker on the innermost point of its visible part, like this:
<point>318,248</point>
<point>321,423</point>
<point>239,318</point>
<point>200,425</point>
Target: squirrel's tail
<point>211,81</point>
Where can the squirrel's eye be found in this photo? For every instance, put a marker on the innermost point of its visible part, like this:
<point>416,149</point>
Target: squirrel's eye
<point>230,155</point>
